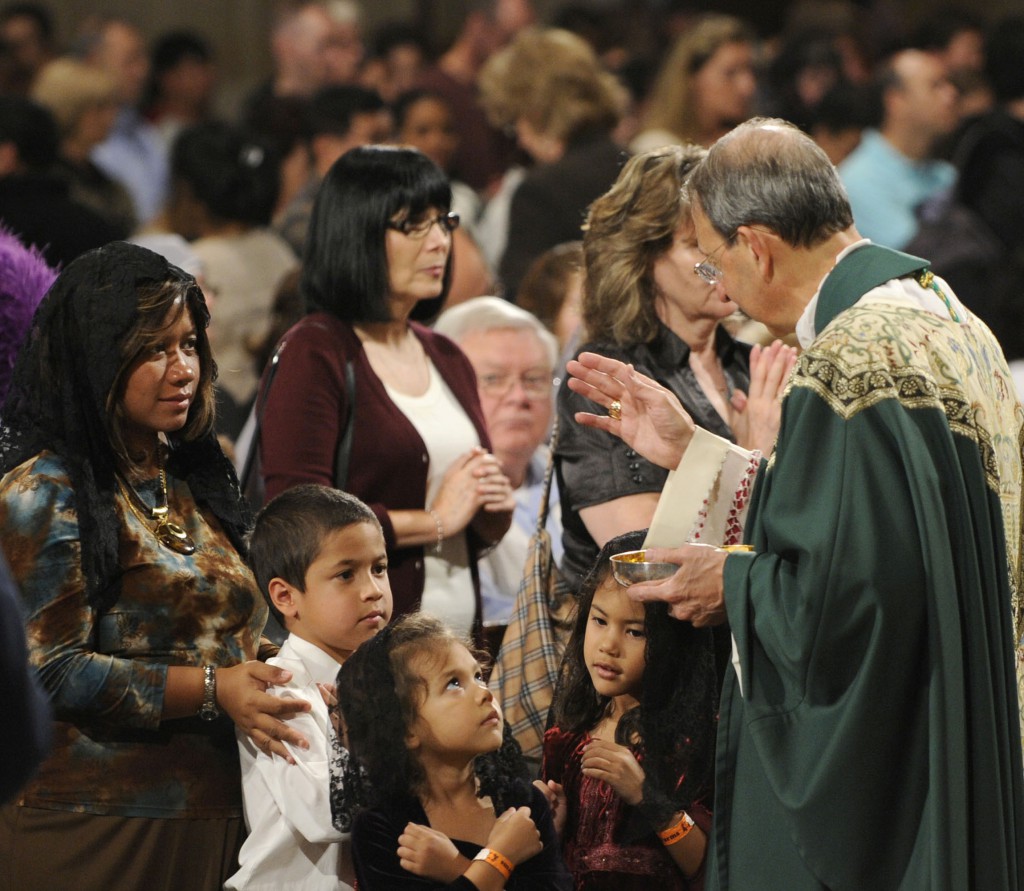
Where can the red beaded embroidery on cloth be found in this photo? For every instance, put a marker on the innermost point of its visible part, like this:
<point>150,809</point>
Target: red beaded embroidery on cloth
<point>737,509</point>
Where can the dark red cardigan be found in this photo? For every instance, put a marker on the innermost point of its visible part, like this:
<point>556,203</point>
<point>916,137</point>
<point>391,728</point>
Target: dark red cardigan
<point>388,469</point>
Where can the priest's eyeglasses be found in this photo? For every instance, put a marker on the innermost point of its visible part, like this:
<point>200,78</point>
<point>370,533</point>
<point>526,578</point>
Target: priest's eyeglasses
<point>708,270</point>
<point>418,229</point>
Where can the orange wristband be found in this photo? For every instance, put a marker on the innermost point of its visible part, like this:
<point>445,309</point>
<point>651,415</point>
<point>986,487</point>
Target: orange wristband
<point>677,831</point>
<point>499,861</point>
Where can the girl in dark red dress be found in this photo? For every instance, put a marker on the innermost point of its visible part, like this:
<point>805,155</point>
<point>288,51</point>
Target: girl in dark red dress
<point>628,759</point>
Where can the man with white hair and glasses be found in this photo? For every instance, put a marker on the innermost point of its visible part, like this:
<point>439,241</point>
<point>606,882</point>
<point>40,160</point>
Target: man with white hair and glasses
<point>514,357</point>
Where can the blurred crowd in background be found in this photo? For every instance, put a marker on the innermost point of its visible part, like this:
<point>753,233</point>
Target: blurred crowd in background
<point>115,133</point>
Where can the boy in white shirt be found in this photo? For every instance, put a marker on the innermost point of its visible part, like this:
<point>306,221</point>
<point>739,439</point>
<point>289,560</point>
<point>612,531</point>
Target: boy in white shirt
<point>319,557</point>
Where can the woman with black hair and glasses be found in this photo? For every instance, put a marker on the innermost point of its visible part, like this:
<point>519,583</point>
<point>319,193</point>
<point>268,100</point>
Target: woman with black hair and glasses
<point>379,244</point>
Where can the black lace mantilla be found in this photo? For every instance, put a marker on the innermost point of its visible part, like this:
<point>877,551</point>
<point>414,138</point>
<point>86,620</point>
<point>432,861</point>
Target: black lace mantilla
<point>58,398</point>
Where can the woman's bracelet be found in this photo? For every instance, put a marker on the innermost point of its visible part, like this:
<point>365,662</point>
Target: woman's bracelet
<point>499,861</point>
<point>440,530</point>
<point>677,831</point>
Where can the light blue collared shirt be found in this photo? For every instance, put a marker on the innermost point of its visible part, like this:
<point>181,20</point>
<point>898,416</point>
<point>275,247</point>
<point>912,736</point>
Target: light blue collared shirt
<point>886,187</point>
<point>502,569</point>
<point>136,156</point>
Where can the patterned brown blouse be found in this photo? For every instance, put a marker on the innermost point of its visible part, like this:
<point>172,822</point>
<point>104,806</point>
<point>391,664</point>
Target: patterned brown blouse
<point>106,672</point>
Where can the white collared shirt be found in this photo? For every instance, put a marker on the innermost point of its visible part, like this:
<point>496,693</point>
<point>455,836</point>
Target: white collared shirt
<point>292,842</point>
<point>898,290</point>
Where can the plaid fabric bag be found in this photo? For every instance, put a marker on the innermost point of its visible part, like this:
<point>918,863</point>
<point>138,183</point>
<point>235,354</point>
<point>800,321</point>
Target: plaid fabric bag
<point>526,669</point>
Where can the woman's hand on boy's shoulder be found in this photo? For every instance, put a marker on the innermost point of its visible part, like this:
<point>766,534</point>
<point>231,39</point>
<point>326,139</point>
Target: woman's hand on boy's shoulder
<point>617,766</point>
<point>555,794</point>
<point>241,692</point>
<point>431,854</point>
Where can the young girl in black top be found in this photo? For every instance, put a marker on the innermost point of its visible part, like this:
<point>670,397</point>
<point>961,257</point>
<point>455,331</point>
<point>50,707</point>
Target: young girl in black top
<point>449,803</point>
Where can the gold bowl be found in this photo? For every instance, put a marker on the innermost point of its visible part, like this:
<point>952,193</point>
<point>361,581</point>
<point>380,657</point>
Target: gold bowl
<point>630,567</point>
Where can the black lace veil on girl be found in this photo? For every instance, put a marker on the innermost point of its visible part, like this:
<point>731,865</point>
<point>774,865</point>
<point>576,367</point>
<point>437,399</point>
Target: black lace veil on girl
<point>58,401</point>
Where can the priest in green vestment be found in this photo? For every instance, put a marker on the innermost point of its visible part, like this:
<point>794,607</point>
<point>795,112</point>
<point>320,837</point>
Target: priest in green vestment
<point>869,735</point>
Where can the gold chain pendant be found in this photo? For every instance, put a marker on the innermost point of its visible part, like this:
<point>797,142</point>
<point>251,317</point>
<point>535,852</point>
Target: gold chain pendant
<point>169,534</point>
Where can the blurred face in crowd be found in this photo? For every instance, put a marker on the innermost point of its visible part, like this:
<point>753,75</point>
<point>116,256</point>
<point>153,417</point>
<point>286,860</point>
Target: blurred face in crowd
<point>95,123</point>
<point>514,377</point>
<point>122,54</point>
<point>724,87</point>
<point>429,126</point>
<point>300,49</point>
<point>510,17</point>
<point>365,128</point>
<point>966,51</point>
<point>343,52</point>
<point>191,82</point>
<point>404,64</point>
<point>925,99</point>
<point>26,43</point>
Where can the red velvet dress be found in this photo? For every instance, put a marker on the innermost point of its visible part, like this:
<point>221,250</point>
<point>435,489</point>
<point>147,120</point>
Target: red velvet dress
<point>596,857</point>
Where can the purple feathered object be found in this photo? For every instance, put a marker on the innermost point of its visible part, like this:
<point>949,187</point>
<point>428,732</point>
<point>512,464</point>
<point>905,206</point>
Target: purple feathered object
<point>24,280</point>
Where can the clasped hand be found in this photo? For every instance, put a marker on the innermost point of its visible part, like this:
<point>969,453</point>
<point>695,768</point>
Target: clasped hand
<point>606,760</point>
<point>473,482</point>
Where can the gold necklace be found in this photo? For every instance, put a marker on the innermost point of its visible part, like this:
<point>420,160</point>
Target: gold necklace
<point>169,534</point>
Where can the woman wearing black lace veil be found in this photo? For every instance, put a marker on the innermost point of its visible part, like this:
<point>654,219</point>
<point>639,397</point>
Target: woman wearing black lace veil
<point>122,521</point>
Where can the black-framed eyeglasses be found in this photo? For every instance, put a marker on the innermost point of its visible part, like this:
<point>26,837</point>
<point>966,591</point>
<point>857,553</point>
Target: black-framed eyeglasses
<point>448,222</point>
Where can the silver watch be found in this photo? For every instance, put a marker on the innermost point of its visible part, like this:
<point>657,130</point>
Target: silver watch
<point>208,710</point>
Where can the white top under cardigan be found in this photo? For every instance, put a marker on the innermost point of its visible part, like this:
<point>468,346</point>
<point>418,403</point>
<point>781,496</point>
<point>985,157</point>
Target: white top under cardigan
<point>448,433</point>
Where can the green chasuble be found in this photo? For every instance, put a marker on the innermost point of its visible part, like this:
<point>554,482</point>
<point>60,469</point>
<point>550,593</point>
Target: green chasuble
<point>875,743</point>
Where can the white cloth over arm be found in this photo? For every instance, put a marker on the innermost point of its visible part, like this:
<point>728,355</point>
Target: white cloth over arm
<point>705,498</point>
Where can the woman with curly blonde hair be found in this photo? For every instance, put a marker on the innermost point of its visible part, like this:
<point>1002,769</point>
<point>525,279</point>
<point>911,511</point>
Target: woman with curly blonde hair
<point>644,304</point>
<point>550,88</point>
<point>705,87</point>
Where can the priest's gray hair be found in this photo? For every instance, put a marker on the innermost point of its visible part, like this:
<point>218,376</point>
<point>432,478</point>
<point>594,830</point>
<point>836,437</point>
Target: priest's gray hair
<point>492,314</point>
<point>767,172</point>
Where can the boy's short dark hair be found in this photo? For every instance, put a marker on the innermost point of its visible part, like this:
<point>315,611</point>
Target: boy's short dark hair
<point>290,531</point>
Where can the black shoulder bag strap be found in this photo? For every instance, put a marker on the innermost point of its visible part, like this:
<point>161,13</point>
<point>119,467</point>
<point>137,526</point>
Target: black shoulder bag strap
<point>342,456</point>
<point>261,406</point>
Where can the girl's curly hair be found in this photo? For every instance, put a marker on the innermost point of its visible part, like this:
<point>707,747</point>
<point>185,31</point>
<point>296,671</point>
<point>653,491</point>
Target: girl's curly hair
<point>379,693</point>
<point>673,728</point>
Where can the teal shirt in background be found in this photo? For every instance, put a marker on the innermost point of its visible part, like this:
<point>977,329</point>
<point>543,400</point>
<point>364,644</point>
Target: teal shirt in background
<point>886,188</point>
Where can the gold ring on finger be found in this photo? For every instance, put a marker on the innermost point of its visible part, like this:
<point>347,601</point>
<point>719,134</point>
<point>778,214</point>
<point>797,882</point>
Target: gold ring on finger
<point>615,410</point>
